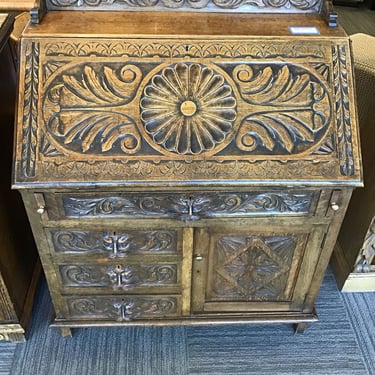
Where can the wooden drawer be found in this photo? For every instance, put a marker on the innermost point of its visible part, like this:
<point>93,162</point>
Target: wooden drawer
<point>181,206</point>
<point>114,244</point>
<point>131,277</point>
<point>123,308</point>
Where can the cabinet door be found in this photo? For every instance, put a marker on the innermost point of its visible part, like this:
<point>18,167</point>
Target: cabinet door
<point>248,267</point>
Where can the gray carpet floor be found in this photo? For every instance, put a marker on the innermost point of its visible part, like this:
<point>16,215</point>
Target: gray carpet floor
<point>333,345</point>
<point>356,19</point>
<point>361,312</point>
<point>7,351</point>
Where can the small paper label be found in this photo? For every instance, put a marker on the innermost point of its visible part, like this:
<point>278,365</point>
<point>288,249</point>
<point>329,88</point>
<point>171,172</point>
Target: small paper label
<point>307,30</point>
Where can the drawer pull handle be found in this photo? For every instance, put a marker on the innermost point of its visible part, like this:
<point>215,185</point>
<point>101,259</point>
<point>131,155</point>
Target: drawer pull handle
<point>125,310</point>
<point>198,257</point>
<point>117,245</point>
<point>190,204</point>
<point>335,206</point>
<point>121,277</point>
<point>41,210</point>
<point>190,214</point>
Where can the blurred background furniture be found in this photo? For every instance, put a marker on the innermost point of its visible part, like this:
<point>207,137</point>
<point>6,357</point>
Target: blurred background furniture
<point>354,256</point>
<point>19,266</point>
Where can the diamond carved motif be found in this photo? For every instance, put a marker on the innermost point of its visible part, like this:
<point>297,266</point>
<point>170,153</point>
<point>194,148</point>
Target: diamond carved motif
<point>253,267</point>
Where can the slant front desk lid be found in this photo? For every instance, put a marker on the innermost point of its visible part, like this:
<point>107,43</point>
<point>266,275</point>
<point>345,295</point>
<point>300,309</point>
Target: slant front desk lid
<point>185,98</point>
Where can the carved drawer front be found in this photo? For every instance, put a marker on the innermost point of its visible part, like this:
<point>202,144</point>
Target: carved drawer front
<point>115,244</point>
<point>250,267</point>
<point>182,206</point>
<point>123,308</point>
<point>132,277</point>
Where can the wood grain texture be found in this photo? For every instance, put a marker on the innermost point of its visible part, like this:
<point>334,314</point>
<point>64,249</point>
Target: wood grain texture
<point>179,25</point>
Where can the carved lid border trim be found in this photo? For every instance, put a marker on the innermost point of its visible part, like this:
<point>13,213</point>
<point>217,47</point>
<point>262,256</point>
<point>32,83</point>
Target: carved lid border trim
<point>210,174</point>
<point>192,48</point>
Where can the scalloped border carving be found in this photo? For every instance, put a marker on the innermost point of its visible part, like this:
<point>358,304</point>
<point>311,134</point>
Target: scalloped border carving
<point>251,6</point>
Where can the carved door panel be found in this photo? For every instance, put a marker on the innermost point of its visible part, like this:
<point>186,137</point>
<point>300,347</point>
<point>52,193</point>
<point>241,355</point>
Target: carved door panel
<point>251,268</point>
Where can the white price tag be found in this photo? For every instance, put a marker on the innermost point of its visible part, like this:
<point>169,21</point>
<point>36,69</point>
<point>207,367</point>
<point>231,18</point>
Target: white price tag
<point>304,30</point>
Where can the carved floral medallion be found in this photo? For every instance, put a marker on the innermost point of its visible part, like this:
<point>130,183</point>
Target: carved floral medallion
<point>188,109</point>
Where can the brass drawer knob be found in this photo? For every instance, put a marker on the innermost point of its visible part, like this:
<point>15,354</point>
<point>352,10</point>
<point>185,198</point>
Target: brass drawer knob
<point>41,210</point>
<point>335,206</point>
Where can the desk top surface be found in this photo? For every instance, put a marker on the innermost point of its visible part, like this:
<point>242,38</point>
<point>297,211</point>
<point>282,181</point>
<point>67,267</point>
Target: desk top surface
<point>211,25</point>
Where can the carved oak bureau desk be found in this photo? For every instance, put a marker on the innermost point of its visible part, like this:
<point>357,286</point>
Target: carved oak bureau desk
<point>185,162</point>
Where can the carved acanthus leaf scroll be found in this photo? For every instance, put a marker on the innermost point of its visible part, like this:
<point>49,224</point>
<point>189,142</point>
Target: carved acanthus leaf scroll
<point>47,149</point>
<point>96,131</point>
<point>100,129</point>
<point>295,109</point>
